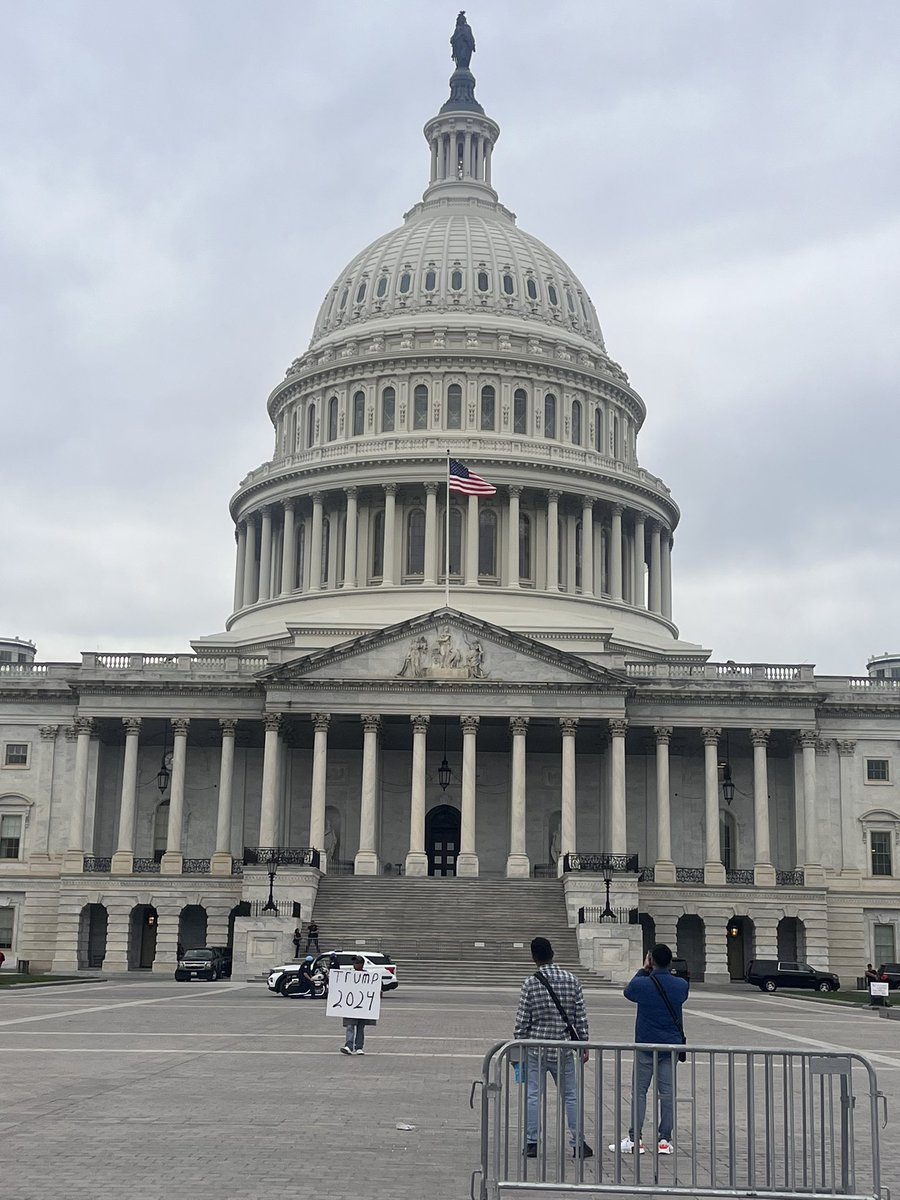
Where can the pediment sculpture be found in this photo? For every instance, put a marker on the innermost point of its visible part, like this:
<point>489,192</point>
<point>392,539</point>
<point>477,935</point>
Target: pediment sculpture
<point>442,658</point>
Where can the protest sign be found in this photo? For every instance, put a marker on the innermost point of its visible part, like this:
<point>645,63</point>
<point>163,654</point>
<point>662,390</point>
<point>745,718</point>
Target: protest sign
<point>354,994</point>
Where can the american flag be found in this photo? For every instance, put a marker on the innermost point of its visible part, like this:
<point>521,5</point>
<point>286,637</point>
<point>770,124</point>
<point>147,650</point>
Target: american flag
<point>461,479</point>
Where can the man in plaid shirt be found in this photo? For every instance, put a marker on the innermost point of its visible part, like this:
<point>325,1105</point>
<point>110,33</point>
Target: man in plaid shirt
<point>538,1017</point>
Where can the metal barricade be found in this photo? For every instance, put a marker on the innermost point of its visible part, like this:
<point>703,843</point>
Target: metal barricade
<point>745,1123</point>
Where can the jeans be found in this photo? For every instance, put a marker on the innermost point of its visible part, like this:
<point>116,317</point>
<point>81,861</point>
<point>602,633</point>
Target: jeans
<point>537,1066</point>
<point>644,1074</point>
<point>356,1035</point>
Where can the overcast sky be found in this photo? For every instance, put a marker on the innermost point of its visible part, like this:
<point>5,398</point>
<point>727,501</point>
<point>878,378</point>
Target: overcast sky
<point>181,182</point>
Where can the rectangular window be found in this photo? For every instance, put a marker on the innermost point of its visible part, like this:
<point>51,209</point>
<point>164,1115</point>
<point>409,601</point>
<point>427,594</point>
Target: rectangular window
<point>880,842</point>
<point>6,928</point>
<point>15,754</point>
<point>10,836</point>
<point>878,770</point>
<point>884,942</point>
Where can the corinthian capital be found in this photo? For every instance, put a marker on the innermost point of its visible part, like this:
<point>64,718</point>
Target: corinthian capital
<point>568,725</point>
<point>518,726</point>
<point>618,727</point>
<point>663,734</point>
<point>132,725</point>
<point>272,722</point>
<point>759,737</point>
<point>180,726</point>
<point>711,736</point>
<point>469,723</point>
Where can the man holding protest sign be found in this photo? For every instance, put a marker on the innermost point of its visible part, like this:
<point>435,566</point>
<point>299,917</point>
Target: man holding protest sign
<point>354,995</point>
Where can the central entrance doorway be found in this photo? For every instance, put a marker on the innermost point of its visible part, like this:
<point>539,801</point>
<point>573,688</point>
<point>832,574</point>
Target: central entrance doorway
<point>442,839</point>
<point>740,933</point>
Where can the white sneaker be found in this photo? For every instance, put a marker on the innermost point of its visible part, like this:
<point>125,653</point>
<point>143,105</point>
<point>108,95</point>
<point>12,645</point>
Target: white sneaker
<point>626,1146</point>
<point>346,1050</point>
<point>359,1051</point>
<point>665,1147</point>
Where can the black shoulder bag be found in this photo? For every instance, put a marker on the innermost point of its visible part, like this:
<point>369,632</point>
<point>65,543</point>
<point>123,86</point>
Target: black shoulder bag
<point>682,1057</point>
<point>570,1029</point>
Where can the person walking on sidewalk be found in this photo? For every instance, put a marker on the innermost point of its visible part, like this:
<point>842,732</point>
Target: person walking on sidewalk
<point>659,996</point>
<point>551,1007</point>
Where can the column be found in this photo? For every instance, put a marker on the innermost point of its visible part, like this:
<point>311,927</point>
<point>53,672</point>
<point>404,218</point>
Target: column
<point>172,859</point>
<point>167,923</point>
<point>664,871</point>
<point>569,526</point>
<point>812,867</point>
<point>315,547</point>
<point>567,833</point>
<point>41,843</point>
<point>331,573</point>
<point>553,541</point>
<point>655,588</point>
<point>123,859</point>
<point>431,535</point>
<point>512,561</point>
<point>350,538</point>
<point>74,859</point>
<point>250,562</point>
<point>467,154</point>
<point>471,575</point>
<point>615,553</point>
<point>268,817</point>
<point>321,721</point>
<point>220,863</point>
<point>417,859</point>
<point>618,730</point>
<point>289,551</point>
<point>587,546</point>
<point>118,935</point>
<point>265,554</point>
<point>241,536</point>
<point>467,859</point>
<point>666,579</point>
<point>217,920</point>
<point>390,524</point>
<point>518,865</point>
<point>366,862</point>
<point>713,870</point>
<point>639,552</point>
<point>763,871</point>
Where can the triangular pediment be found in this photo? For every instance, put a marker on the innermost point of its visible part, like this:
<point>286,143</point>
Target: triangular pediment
<point>445,647</point>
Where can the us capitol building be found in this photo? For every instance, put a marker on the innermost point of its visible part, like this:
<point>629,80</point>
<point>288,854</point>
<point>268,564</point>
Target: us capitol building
<point>544,721</point>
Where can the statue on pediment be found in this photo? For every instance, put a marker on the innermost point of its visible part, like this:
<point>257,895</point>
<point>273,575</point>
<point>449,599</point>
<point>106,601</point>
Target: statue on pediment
<point>415,661</point>
<point>443,653</point>
<point>475,661</point>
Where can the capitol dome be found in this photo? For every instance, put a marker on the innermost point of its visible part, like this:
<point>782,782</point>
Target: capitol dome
<point>456,335</point>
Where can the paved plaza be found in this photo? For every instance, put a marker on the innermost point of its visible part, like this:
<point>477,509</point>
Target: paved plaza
<point>149,1089</point>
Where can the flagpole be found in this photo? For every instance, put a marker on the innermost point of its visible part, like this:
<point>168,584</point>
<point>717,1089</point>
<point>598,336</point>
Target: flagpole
<point>447,540</point>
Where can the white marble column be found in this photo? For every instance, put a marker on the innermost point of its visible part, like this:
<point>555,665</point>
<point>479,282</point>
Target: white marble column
<point>471,575</point>
<point>250,562</point>
<point>367,861</point>
<point>615,553</point>
<point>265,554</point>
<point>321,722</point>
<point>639,552</point>
<point>123,859</point>
<point>45,772</point>
<point>618,730</point>
<point>331,573</point>
<point>512,568</point>
<point>567,833</point>
<point>220,863</point>
<point>289,551</point>
<point>74,859</point>
<point>432,541</point>
<point>172,859</point>
<point>390,527</point>
<point>467,858</point>
<point>315,544</point>
<point>664,870</point>
<point>518,865</point>
<point>655,584</point>
<point>666,580</point>
<point>763,871</point>
<point>587,546</point>
<point>417,859</point>
<point>713,869</point>
<point>569,527</point>
<point>812,867</point>
<point>241,553</point>
<point>553,541</point>
<point>268,817</point>
<point>350,538</point>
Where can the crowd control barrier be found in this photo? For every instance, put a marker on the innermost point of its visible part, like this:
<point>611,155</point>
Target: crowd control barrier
<point>774,1124</point>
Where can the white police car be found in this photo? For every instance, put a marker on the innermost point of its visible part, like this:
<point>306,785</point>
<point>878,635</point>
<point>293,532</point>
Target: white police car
<point>281,977</point>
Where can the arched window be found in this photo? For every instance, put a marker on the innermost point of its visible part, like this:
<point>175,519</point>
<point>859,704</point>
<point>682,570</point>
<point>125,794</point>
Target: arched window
<point>728,840</point>
<point>576,422</point>
<point>420,407</point>
<point>531,288</point>
<point>524,546</point>
<point>381,286</point>
<point>359,414</point>
<point>520,411</point>
<point>301,555</point>
<point>509,286</point>
<point>332,418</point>
<point>388,404</point>
<point>361,292</point>
<point>415,542</point>
<point>326,547</point>
<point>311,426</point>
<point>487,543</point>
<point>160,830</point>
<point>488,407</point>
<point>454,406</point>
<point>456,281</point>
<point>378,544</point>
<point>405,283</point>
<point>598,430</point>
<point>456,527</point>
<point>483,281</point>
<point>550,415</point>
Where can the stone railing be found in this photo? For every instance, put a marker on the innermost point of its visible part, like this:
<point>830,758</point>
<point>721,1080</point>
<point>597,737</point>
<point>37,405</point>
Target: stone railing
<point>744,672</point>
<point>280,856</point>
<point>188,664</point>
<point>594,914</point>
<point>600,862</point>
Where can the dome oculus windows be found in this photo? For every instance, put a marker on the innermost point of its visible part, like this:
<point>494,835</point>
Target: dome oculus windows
<point>381,286</point>
<point>361,292</point>
<point>456,281</point>
<point>405,282</point>
<point>552,296</point>
<point>509,286</point>
<point>531,288</point>
<point>430,280</point>
<point>483,281</point>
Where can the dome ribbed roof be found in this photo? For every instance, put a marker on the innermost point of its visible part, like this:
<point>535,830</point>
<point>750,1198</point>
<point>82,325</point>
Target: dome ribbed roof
<point>466,258</point>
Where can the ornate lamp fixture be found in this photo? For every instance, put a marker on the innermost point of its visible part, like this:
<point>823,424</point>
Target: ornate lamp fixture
<point>164,774</point>
<point>606,866</point>
<point>444,772</point>
<point>727,781</point>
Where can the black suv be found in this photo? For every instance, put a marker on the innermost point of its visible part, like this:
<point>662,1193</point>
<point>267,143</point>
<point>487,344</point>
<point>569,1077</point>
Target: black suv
<point>679,967</point>
<point>889,973</point>
<point>212,962</point>
<point>769,975</point>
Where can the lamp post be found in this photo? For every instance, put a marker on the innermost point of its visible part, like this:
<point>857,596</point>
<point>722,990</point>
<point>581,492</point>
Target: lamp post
<point>444,772</point>
<point>164,774</point>
<point>270,905</point>
<point>606,867</point>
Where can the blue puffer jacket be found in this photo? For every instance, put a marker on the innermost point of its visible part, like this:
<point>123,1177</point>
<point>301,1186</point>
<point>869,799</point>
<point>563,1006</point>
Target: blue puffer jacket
<point>653,1022</point>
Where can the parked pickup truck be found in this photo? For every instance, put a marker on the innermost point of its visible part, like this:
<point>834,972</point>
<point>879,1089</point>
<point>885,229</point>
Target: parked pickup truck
<point>770,975</point>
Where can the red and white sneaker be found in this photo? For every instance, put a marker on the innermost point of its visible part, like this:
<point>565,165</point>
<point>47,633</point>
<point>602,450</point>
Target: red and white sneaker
<point>665,1147</point>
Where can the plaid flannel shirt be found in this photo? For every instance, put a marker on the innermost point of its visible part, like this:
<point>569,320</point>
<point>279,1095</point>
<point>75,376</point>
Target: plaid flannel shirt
<point>538,1017</point>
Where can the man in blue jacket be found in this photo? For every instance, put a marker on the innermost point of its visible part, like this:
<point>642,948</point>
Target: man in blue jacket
<point>659,996</point>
